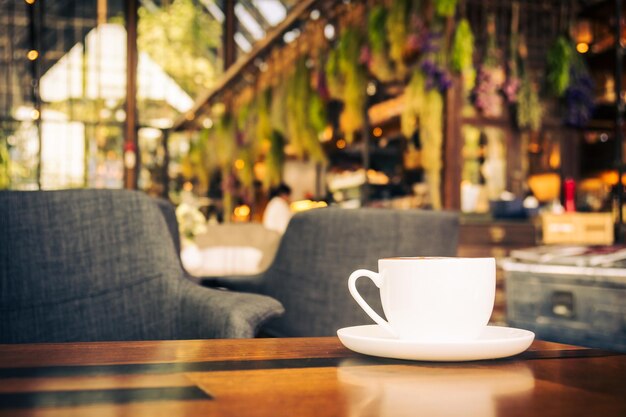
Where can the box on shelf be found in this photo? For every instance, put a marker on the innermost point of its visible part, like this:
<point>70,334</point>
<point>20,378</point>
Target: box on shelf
<point>569,294</point>
<point>577,228</point>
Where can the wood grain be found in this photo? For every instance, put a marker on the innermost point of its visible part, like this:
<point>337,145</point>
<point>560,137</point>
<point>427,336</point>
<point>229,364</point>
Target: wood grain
<point>549,380</point>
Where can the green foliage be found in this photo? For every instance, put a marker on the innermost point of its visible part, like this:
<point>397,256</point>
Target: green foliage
<point>181,38</point>
<point>559,60</point>
<point>379,65</point>
<point>462,54</point>
<point>222,146</point>
<point>275,160</point>
<point>264,122</point>
<point>277,108</point>
<point>529,110</point>
<point>397,32</point>
<point>354,80</point>
<point>445,8</point>
<point>413,102</point>
<point>431,135</point>
<point>303,130</point>
<point>333,74</point>
<point>5,178</point>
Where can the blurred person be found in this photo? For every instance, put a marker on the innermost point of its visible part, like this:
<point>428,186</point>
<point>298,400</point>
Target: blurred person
<point>277,212</point>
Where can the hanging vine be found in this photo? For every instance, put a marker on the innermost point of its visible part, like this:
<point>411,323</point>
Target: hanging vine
<point>397,33</point>
<point>462,54</point>
<point>445,8</point>
<point>306,116</point>
<point>378,62</point>
<point>491,77</point>
<point>431,136</point>
<point>354,80</point>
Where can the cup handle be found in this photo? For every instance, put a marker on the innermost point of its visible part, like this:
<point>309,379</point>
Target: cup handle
<point>378,280</point>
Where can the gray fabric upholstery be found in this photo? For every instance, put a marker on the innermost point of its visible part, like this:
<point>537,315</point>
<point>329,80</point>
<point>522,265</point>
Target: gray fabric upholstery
<point>322,247</point>
<point>86,265</point>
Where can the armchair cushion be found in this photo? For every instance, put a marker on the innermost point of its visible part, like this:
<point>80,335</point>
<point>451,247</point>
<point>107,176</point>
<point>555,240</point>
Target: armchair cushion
<point>322,247</point>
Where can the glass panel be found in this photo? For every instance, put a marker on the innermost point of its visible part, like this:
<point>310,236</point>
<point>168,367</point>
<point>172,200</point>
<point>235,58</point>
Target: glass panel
<point>175,66</point>
<point>59,135</point>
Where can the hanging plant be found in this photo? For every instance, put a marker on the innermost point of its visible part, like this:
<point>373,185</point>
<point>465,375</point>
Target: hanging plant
<point>333,77</point>
<point>511,87</point>
<point>195,164</point>
<point>559,62</point>
<point>397,33</point>
<point>5,178</point>
<point>277,108</point>
<point>354,80</point>
<point>244,169</point>
<point>527,104</point>
<point>264,122</point>
<point>568,78</point>
<point>579,95</point>
<point>462,54</point>
<point>413,102</point>
<point>222,146</point>
<point>529,110</point>
<point>433,64</point>
<point>486,94</point>
<point>445,8</point>
<point>274,161</point>
<point>431,136</point>
<point>378,62</point>
<point>305,113</point>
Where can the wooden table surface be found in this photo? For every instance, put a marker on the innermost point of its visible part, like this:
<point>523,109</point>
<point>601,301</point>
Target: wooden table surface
<point>301,377</point>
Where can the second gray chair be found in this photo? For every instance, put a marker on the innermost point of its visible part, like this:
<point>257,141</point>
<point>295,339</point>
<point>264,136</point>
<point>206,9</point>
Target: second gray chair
<point>320,249</point>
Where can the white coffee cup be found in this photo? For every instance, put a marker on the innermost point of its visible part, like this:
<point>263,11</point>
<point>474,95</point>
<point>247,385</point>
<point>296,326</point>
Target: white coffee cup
<point>431,298</point>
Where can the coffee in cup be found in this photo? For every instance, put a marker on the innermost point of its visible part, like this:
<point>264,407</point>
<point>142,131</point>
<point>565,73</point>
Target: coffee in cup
<point>432,299</point>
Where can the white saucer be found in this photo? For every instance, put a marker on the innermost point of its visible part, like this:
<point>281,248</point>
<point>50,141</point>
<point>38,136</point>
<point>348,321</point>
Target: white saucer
<point>494,342</point>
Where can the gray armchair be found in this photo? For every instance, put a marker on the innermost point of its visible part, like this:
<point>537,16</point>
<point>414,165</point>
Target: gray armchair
<point>322,247</point>
<point>88,265</point>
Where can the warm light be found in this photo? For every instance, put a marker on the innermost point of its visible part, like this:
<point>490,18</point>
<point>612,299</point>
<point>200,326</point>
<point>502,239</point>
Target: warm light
<point>30,1</point>
<point>34,114</point>
<point>259,170</point>
<point>554,160</point>
<point>329,31</point>
<point>610,177</point>
<point>583,32</point>
<point>371,89</point>
<point>341,144</point>
<point>582,48</point>
<point>242,211</point>
<point>32,55</point>
<point>189,116</point>
<point>327,134</point>
<point>303,205</point>
<point>377,132</point>
<point>534,148</point>
<point>207,123</point>
<point>240,164</point>
<point>187,186</point>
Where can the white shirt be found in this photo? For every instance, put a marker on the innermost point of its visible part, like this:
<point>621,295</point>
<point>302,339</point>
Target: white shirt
<point>277,215</point>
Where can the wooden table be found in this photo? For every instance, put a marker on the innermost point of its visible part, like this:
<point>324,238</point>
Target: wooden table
<point>300,377</point>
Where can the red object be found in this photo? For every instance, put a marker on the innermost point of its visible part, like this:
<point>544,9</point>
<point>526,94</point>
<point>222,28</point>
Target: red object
<point>570,195</point>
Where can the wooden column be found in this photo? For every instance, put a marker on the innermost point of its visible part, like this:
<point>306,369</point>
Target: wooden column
<point>228,37</point>
<point>131,143</point>
<point>619,118</point>
<point>452,147</point>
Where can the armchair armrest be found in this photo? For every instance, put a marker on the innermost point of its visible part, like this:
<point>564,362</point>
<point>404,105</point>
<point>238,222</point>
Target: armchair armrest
<point>244,283</point>
<point>216,313</point>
